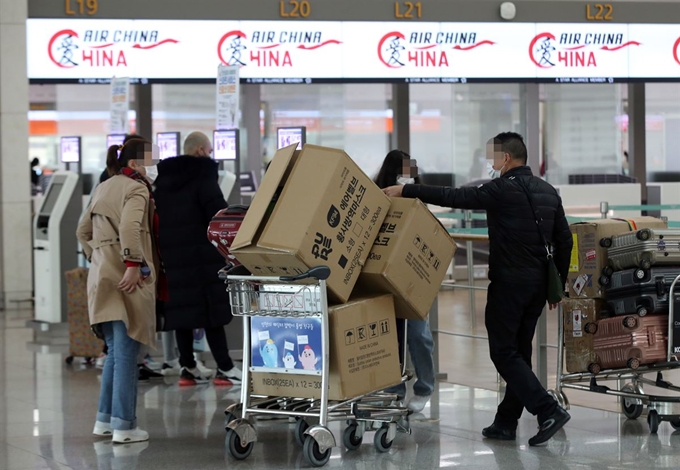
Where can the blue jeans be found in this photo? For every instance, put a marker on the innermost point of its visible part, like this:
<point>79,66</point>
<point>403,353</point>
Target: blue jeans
<point>421,348</point>
<point>118,396</point>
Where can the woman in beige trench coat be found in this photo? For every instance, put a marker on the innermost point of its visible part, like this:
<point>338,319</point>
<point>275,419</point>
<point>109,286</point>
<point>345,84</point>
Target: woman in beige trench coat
<point>117,236</point>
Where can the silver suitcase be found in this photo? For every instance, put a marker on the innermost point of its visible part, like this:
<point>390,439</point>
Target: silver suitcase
<point>643,249</point>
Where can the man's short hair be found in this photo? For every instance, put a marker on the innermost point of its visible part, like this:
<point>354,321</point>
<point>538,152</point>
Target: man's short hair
<point>194,141</point>
<point>511,143</point>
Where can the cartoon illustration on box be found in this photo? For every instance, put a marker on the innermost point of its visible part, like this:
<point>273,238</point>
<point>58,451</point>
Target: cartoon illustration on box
<point>307,356</point>
<point>270,354</point>
<point>289,361</point>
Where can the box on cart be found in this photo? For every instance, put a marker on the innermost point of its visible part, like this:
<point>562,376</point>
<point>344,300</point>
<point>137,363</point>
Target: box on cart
<point>409,258</point>
<point>314,207</point>
<point>589,257</point>
<point>579,350</point>
<point>364,352</point>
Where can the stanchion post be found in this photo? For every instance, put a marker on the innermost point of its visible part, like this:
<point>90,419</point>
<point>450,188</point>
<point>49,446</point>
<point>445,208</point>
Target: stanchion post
<point>434,328</point>
<point>604,209</point>
<point>542,352</point>
<point>471,274</point>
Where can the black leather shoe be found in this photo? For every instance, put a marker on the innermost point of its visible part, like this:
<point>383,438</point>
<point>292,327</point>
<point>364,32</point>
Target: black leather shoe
<point>550,426</point>
<point>500,434</point>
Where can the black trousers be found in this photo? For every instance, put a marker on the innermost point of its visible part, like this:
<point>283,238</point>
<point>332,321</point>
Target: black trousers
<point>217,340</point>
<point>512,312</point>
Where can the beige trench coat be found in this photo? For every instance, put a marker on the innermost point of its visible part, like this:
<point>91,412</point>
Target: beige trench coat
<point>117,227</point>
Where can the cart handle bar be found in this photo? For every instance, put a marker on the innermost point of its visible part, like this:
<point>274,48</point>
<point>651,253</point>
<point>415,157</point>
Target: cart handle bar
<point>320,273</point>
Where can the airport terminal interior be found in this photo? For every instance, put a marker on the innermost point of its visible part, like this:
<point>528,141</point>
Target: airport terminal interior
<point>594,89</point>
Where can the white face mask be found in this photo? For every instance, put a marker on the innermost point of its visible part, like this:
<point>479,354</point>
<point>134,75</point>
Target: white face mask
<point>493,174</point>
<point>402,181</point>
<point>151,173</point>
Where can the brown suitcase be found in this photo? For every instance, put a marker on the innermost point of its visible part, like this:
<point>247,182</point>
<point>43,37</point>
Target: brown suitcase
<point>629,342</point>
<point>82,342</point>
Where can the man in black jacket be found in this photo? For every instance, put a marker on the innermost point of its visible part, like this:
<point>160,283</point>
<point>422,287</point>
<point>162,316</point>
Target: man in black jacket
<point>187,197</point>
<point>518,274</point>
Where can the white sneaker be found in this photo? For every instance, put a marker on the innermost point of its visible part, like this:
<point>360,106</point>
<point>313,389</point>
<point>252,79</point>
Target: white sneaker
<point>233,376</point>
<point>417,403</point>
<point>190,377</point>
<point>128,437</point>
<point>101,360</point>
<point>171,369</point>
<point>203,369</point>
<point>151,364</point>
<point>102,429</point>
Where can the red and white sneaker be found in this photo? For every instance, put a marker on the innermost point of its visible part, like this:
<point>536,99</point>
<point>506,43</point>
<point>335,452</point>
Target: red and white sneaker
<point>192,377</point>
<point>230,378</point>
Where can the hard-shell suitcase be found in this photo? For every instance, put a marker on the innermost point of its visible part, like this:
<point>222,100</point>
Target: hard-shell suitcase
<point>629,342</point>
<point>644,249</point>
<point>222,231</point>
<point>82,342</point>
<point>641,291</point>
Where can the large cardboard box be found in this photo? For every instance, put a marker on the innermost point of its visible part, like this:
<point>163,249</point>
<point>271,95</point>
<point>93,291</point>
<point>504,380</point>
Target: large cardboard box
<point>578,345</point>
<point>409,258</point>
<point>364,352</point>
<point>314,207</point>
<point>589,257</point>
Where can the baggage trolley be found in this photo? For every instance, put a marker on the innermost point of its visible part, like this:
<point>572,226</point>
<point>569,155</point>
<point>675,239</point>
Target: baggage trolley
<point>632,394</point>
<point>253,297</point>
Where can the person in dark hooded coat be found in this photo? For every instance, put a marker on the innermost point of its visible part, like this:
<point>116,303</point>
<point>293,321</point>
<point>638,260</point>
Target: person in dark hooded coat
<point>187,196</point>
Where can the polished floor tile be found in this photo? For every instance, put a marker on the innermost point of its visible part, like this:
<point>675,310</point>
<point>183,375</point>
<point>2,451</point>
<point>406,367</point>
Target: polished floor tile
<point>47,411</point>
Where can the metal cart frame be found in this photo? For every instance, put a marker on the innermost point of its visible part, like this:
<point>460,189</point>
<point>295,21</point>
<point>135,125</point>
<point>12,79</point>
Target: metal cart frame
<point>633,398</point>
<point>375,411</point>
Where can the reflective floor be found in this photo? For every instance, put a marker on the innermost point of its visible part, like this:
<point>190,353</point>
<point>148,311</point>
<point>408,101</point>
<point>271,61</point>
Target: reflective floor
<point>47,411</point>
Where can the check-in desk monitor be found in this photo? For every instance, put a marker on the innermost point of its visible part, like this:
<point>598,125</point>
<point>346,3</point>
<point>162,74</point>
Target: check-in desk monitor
<point>286,136</point>
<point>168,144</point>
<point>55,245</point>
<point>114,139</point>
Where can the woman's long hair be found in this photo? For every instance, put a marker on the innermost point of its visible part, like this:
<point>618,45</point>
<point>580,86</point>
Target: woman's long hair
<point>392,168</point>
<point>133,149</point>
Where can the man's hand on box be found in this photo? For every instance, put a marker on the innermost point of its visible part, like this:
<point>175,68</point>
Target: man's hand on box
<point>393,191</point>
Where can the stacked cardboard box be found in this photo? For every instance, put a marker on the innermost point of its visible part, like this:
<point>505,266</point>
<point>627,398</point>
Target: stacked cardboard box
<point>586,284</point>
<point>316,207</point>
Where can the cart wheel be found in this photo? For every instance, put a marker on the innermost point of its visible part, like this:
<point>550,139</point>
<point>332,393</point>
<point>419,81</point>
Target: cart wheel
<point>645,264</point>
<point>607,271</point>
<point>653,420</point>
<point>630,322</point>
<point>380,440</point>
<point>69,360</point>
<point>300,427</point>
<point>605,281</point>
<point>313,455</point>
<point>606,242</point>
<point>644,235</point>
<point>236,448</point>
<point>642,311</point>
<point>630,409</point>
<point>633,363</point>
<point>640,274</point>
<point>591,328</point>
<point>675,422</point>
<point>594,368</point>
<point>350,439</point>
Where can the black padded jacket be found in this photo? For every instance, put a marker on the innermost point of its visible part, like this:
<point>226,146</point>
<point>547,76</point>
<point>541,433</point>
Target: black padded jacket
<point>517,254</point>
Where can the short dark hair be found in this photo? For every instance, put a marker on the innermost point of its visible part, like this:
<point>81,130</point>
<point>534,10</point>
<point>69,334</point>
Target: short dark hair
<point>511,143</point>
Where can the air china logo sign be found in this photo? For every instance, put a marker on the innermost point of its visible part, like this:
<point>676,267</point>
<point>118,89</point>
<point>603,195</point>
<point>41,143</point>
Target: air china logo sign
<point>676,51</point>
<point>271,48</point>
<point>426,49</point>
<point>574,49</point>
<point>101,48</point>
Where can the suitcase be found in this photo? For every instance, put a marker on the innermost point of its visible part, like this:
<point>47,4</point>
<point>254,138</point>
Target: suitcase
<point>642,291</point>
<point>82,342</point>
<point>643,249</point>
<point>222,231</point>
<point>629,342</point>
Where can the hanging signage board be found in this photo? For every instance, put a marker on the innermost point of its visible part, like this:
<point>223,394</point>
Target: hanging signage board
<point>227,97</point>
<point>157,51</point>
<point>120,105</point>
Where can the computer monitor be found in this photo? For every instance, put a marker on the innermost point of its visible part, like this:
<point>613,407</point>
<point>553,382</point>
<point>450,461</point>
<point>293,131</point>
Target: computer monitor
<point>70,149</point>
<point>248,182</point>
<point>168,144</point>
<point>286,136</point>
<point>114,139</point>
<point>226,144</point>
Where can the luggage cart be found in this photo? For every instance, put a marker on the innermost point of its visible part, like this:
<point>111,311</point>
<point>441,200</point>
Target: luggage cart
<point>255,297</point>
<point>632,394</point>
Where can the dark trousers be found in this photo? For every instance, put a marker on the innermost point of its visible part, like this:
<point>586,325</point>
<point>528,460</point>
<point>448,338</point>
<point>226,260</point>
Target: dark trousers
<point>512,312</point>
<point>217,340</point>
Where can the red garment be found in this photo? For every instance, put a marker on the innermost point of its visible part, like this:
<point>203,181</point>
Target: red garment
<point>162,292</point>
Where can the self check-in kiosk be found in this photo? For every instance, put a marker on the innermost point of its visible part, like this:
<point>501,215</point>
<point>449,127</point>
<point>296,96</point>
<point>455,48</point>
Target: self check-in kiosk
<point>55,245</point>
<point>226,151</point>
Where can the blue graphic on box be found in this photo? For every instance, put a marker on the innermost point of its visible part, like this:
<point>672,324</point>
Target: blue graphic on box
<point>286,343</point>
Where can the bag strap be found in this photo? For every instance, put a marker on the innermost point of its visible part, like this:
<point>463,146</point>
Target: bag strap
<point>537,218</point>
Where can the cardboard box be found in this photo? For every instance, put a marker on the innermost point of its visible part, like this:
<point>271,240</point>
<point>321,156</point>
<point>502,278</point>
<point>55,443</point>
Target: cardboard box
<point>364,352</point>
<point>578,345</point>
<point>409,258</point>
<point>314,207</point>
<point>588,257</point>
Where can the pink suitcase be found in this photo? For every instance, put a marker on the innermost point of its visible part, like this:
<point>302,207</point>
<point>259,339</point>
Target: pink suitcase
<point>629,342</point>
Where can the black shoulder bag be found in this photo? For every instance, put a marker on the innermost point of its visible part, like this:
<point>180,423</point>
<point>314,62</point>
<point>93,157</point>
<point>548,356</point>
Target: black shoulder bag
<point>555,283</point>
